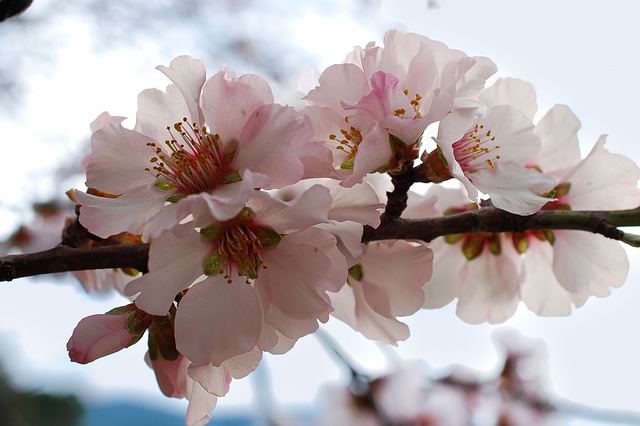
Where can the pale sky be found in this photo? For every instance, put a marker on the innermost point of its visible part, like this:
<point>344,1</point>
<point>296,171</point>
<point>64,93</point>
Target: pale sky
<point>583,54</point>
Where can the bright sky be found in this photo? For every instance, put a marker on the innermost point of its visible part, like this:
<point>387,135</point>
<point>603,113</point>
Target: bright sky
<point>583,54</point>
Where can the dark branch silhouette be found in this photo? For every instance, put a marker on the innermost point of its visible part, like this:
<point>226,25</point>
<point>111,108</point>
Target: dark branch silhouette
<point>487,219</point>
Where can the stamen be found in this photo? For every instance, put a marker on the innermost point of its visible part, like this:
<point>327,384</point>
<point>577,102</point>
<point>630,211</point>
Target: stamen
<point>193,160</point>
<point>475,150</point>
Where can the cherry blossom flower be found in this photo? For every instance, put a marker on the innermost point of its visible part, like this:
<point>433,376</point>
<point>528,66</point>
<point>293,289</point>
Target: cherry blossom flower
<point>481,270</point>
<point>550,271</point>
<point>249,280</point>
<point>374,107</point>
<point>491,155</point>
<point>385,283</point>
<point>563,267</point>
<point>216,139</point>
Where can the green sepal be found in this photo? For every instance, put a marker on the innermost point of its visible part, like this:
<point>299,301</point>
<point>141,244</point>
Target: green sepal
<point>245,215</point>
<point>138,321</point>
<point>453,238</point>
<point>520,242</point>
<point>442,158</point>
<point>213,264</point>
<point>232,177</point>
<point>356,272</point>
<point>268,237</point>
<point>175,198</point>
<point>494,244</point>
<point>472,247</point>
<point>164,186</point>
<point>347,164</point>
<point>230,149</point>
<point>212,232</point>
<point>563,189</point>
<point>162,339</point>
<point>550,236</point>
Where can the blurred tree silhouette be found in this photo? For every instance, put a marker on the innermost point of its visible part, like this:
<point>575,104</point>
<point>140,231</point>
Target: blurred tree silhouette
<point>36,409</point>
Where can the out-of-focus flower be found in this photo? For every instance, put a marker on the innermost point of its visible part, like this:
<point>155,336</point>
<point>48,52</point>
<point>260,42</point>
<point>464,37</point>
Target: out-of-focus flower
<point>374,107</point>
<point>216,139</point>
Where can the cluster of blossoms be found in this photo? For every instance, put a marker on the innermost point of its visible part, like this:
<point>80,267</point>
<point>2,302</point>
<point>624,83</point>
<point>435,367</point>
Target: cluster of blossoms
<point>255,211</point>
<point>519,393</point>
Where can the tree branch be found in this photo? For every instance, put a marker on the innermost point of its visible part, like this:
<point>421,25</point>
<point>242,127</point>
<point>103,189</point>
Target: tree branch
<point>486,219</point>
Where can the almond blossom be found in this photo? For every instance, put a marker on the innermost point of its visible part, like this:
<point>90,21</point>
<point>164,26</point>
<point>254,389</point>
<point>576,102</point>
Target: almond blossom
<point>556,275</point>
<point>385,283</point>
<point>492,153</point>
<point>216,139</point>
<point>550,271</point>
<point>248,281</point>
<point>482,270</point>
<point>374,107</point>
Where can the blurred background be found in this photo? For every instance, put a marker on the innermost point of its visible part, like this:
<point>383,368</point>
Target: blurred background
<point>63,63</point>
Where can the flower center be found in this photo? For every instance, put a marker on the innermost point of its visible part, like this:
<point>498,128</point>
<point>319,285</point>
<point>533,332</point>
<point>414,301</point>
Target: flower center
<point>237,246</point>
<point>415,106</point>
<point>475,151</point>
<point>194,161</point>
<point>348,143</point>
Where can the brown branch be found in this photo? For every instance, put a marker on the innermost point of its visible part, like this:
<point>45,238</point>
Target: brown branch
<point>64,258</point>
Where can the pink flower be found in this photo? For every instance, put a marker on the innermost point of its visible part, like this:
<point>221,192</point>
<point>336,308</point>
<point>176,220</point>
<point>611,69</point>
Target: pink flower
<point>216,139</point>
<point>99,335</point>
<point>374,107</point>
<point>481,270</point>
<point>262,274</point>
<point>492,153</point>
<point>386,283</point>
<point>567,267</point>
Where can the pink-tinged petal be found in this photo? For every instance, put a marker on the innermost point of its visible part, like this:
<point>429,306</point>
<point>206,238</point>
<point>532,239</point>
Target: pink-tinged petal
<point>299,273</point>
<point>228,102</point>
<point>588,264</point>
<point>558,132</point>
<point>216,380</point>
<point>170,374</point>
<point>224,203</point>
<point>359,203</point>
<point>308,209</point>
<point>316,157</point>
<point>373,152</point>
<point>118,160</point>
<point>515,188</point>
<point>265,145</point>
<point>201,403</point>
<point>130,212</point>
<point>341,82</point>
<point>540,289</point>
<point>176,259</point>
<point>99,335</point>
<point>283,344</point>
<point>382,98</point>
<point>448,262</point>
<point>158,110</point>
<point>217,321</point>
<point>514,92</point>
<point>351,307</point>
<point>604,181</point>
<point>489,290</point>
<point>349,235</point>
<point>393,275</point>
<point>103,119</point>
<point>188,75</point>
